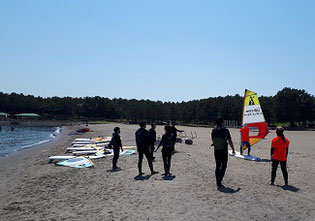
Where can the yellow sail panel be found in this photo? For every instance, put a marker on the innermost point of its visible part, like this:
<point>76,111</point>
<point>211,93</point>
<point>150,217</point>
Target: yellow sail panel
<point>251,98</point>
<point>253,141</point>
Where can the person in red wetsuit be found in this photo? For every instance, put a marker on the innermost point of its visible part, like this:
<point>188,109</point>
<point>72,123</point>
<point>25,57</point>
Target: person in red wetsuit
<point>279,153</point>
<point>245,139</point>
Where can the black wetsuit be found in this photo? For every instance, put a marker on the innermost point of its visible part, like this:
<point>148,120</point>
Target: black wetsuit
<point>168,142</point>
<point>220,136</point>
<point>142,140</point>
<point>116,144</point>
<point>174,131</point>
<point>152,140</point>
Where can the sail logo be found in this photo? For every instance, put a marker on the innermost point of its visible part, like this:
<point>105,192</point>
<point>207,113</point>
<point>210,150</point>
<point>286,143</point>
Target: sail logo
<point>251,100</point>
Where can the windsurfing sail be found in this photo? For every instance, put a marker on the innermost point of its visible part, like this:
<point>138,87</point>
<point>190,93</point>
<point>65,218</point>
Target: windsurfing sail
<point>254,118</point>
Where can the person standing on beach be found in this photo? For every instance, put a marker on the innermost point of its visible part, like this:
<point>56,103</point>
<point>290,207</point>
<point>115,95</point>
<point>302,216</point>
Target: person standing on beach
<point>174,130</point>
<point>245,139</point>
<point>142,141</point>
<point>279,154</point>
<point>221,137</point>
<point>168,142</point>
<point>152,139</point>
<point>115,143</point>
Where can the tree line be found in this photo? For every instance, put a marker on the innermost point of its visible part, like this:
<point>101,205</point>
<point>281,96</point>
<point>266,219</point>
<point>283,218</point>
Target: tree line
<point>288,105</point>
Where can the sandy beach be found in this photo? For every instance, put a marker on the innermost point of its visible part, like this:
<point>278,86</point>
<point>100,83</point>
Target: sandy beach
<point>32,189</point>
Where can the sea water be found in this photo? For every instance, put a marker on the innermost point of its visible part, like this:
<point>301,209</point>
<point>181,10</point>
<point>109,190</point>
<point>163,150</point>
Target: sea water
<point>23,137</point>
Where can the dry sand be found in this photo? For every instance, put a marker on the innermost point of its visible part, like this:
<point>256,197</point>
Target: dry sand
<point>32,189</point>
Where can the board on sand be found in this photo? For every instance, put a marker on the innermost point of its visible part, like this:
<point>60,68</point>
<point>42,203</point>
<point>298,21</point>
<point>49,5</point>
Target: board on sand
<point>85,152</point>
<point>123,153</point>
<point>244,157</point>
<point>97,156</point>
<point>77,162</point>
<point>59,158</point>
<point>71,149</point>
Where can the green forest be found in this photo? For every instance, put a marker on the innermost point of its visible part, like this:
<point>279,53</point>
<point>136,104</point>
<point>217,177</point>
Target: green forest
<point>290,105</point>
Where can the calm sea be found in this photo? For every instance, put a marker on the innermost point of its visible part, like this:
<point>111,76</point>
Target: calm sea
<point>23,137</point>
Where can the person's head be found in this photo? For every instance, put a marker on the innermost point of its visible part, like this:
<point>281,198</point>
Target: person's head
<point>167,129</point>
<point>279,132</point>
<point>245,125</point>
<point>219,121</point>
<point>117,130</point>
<point>153,125</point>
<point>143,124</point>
<point>169,123</point>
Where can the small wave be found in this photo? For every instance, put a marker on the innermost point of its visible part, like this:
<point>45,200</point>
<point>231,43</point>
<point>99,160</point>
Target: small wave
<point>57,131</point>
<point>35,144</point>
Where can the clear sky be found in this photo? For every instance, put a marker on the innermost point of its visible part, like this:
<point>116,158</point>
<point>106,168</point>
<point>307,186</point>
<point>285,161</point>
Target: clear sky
<point>160,50</point>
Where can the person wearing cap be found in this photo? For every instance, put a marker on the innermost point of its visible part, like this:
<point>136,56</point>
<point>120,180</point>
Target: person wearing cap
<point>115,143</point>
<point>245,139</point>
<point>279,154</point>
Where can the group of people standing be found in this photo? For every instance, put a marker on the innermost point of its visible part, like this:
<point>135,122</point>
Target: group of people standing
<point>146,141</point>
<point>221,138</point>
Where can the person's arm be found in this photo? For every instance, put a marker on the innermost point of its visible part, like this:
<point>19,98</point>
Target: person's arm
<point>231,145</point>
<point>272,150</point>
<point>120,144</point>
<point>179,130</point>
<point>110,145</point>
<point>160,144</point>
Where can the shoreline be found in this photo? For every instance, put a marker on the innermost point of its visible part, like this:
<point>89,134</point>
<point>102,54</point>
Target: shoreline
<point>41,143</point>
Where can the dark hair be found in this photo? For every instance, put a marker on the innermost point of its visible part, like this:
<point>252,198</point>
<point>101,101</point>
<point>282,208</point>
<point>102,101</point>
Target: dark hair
<point>142,123</point>
<point>279,132</point>
<point>153,124</point>
<point>219,121</point>
<point>116,129</point>
<point>167,128</point>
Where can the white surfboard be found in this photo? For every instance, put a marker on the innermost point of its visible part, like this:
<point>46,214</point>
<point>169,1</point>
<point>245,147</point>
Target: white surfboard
<point>85,152</point>
<point>77,162</point>
<point>244,157</point>
<point>71,149</point>
<point>97,157</point>
<point>59,158</point>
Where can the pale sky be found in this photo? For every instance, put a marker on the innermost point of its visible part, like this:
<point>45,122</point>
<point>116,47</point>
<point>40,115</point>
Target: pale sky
<point>159,50</point>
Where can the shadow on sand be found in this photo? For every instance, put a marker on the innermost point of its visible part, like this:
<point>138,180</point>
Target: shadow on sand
<point>290,188</point>
<point>264,160</point>
<point>140,177</point>
<point>113,171</point>
<point>228,190</point>
<point>172,177</point>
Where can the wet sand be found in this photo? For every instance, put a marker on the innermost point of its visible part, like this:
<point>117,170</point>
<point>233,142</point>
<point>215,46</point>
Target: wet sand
<point>32,189</point>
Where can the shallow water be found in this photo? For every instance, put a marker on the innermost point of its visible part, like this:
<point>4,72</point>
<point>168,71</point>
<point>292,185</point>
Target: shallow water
<point>23,137</point>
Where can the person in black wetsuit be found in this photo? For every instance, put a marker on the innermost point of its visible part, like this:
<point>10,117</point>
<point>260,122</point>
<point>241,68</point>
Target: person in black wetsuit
<point>168,142</point>
<point>221,138</point>
<point>115,143</point>
<point>142,140</point>
<point>174,130</point>
<point>152,139</point>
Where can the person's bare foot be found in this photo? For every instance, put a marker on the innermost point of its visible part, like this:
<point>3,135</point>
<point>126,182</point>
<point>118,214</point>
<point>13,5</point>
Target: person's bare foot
<point>271,184</point>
